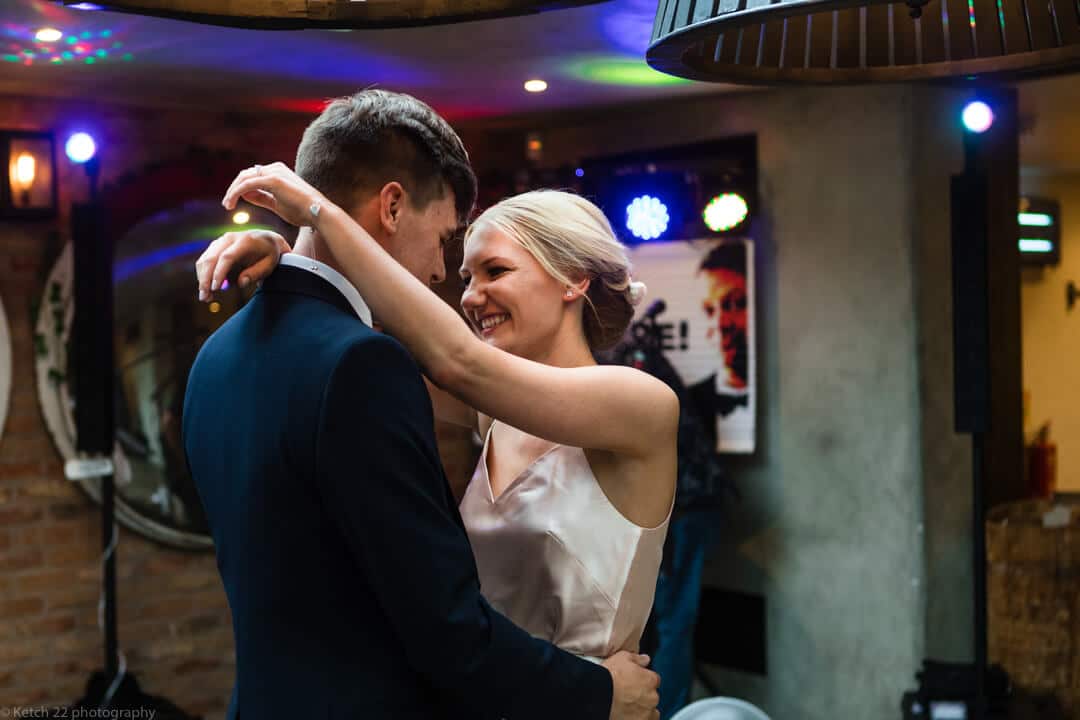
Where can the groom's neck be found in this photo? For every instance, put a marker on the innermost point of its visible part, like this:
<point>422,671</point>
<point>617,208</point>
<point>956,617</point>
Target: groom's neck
<point>309,244</point>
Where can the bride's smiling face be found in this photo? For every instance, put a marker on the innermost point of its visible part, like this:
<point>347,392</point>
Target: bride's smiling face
<point>510,300</point>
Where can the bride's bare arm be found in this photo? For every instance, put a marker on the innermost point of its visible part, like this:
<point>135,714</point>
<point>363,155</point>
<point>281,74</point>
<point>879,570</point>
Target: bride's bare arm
<point>600,407</point>
<point>252,255</point>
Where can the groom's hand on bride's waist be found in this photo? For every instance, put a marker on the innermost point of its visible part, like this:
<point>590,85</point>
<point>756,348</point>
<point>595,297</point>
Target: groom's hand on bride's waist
<point>634,687</point>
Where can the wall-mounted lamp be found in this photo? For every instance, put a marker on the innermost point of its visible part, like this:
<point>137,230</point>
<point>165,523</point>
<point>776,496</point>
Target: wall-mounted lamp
<point>28,188</point>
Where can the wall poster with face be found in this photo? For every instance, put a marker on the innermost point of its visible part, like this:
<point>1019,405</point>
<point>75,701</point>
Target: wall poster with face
<point>708,326</point>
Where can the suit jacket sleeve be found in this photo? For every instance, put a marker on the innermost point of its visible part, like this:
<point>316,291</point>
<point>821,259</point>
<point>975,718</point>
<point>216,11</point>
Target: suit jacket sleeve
<point>379,466</point>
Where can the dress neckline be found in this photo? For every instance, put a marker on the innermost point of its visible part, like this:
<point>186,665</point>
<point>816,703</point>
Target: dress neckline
<point>529,470</point>
<point>525,472</point>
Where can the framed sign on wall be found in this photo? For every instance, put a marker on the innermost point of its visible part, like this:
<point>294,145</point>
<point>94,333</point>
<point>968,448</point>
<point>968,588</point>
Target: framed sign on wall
<point>708,326</point>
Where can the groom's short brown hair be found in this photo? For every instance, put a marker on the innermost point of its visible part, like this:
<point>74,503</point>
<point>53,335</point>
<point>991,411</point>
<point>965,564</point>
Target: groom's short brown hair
<point>363,141</point>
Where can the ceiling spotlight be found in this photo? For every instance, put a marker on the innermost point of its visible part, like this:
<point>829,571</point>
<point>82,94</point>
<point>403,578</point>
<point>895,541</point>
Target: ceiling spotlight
<point>978,117</point>
<point>535,86</point>
<point>48,35</point>
<point>86,6</point>
<point>242,217</point>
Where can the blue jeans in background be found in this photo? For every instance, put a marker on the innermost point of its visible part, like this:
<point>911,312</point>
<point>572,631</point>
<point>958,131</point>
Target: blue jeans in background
<point>675,608</point>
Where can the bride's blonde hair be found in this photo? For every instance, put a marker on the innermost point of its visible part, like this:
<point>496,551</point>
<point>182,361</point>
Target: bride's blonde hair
<point>572,240</point>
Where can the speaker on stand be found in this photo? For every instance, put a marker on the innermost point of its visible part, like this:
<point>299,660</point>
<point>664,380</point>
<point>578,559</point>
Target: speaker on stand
<point>111,688</point>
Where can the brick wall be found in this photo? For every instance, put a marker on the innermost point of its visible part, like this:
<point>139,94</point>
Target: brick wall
<point>174,625</point>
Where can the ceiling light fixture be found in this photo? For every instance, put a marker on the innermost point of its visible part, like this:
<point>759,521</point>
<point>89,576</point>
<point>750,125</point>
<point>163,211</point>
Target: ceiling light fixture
<point>535,86</point>
<point>787,42</point>
<point>332,14</point>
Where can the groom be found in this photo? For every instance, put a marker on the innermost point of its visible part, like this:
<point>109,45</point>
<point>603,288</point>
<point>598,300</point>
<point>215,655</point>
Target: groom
<point>350,578</point>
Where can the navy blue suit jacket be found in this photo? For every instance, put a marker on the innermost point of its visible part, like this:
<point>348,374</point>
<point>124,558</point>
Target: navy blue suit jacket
<point>349,575</point>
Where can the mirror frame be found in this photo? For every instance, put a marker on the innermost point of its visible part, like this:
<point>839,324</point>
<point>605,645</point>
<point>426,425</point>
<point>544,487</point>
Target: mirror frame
<point>134,198</point>
<point>5,368</point>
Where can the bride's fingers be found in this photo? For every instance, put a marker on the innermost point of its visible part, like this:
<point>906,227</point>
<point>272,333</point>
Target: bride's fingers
<point>256,190</point>
<point>241,177</point>
<point>258,271</point>
<point>225,263</point>
<point>245,182</point>
<point>260,198</point>
<point>204,266</point>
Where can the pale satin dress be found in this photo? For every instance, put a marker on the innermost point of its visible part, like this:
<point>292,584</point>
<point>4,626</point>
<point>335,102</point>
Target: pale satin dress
<point>557,558</point>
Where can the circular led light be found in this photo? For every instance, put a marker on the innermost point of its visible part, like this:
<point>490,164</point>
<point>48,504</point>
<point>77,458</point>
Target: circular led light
<point>535,86</point>
<point>647,217</point>
<point>978,117</point>
<point>80,147</point>
<point>725,212</point>
<point>242,217</point>
<point>48,35</point>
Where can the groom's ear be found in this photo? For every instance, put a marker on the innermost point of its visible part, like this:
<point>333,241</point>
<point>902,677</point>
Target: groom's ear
<point>391,205</point>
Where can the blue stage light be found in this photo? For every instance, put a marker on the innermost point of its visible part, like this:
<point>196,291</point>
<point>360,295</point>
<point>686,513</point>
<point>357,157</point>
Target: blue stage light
<point>977,116</point>
<point>80,148</point>
<point>647,217</point>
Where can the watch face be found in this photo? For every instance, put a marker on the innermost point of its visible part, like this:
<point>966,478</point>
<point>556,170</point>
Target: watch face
<point>5,367</point>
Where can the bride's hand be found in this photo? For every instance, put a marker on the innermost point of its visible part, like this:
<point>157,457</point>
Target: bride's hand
<point>278,189</point>
<point>254,253</point>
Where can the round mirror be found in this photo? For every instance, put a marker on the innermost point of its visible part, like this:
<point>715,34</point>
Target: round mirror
<point>5,367</point>
<point>159,328</point>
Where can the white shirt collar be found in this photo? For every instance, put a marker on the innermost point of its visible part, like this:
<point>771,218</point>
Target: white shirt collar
<point>333,277</point>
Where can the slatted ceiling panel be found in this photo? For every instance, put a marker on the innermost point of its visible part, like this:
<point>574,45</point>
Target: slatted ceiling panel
<point>668,23</point>
<point>658,21</point>
<point>960,45</point>
<point>703,10</point>
<point>1016,25</point>
<point>903,35</point>
<point>795,43</point>
<point>1042,29</point>
<point>1067,21</point>
<point>740,46</point>
<point>683,14</point>
<point>759,50</point>
<point>774,37</point>
<point>987,30</point>
<point>821,40</point>
<point>750,43</point>
<point>933,34</point>
<point>879,42</point>
<point>847,54</point>
<point>724,53</point>
<point>877,48</point>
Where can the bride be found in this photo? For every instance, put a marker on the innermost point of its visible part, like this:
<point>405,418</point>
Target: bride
<point>569,505</point>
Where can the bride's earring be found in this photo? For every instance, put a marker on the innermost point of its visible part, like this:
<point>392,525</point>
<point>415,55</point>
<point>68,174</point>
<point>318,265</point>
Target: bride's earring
<point>569,293</point>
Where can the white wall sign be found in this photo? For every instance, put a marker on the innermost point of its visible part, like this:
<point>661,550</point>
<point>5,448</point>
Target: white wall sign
<point>708,288</point>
